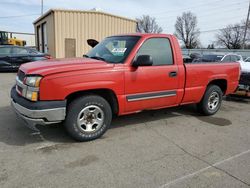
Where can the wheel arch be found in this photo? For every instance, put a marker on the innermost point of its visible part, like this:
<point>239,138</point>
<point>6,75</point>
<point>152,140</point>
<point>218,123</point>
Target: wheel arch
<point>108,94</point>
<point>222,83</point>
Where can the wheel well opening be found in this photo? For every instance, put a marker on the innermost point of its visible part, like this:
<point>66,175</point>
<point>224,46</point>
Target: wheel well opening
<point>221,83</point>
<point>107,94</point>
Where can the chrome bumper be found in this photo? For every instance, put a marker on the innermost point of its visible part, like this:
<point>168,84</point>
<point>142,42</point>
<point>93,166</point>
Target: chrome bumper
<point>39,117</point>
<point>37,113</point>
<point>32,118</point>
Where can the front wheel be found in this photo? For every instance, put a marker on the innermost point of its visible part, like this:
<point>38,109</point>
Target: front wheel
<point>88,117</point>
<point>211,100</point>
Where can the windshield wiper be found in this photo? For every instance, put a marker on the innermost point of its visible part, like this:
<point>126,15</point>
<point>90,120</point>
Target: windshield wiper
<point>98,58</point>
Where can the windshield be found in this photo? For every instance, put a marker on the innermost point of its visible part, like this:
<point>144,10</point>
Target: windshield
<point>114,49</point>
<point>3,37</point>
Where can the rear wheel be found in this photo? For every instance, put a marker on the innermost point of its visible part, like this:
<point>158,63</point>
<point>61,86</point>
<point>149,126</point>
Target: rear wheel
<point>211,100</point>
<point>88,117</point>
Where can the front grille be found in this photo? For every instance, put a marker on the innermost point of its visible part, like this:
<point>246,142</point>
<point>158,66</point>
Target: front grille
<point>19,89</point>
<point>245,78</point>
<point>21,75</point>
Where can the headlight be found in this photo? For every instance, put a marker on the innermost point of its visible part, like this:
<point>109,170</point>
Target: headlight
<point>32,95</point>
<point>33,81</point>
<point>31,90</point>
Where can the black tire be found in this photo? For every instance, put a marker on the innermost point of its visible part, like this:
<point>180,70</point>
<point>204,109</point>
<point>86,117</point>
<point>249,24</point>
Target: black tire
<point>205,107</point>
<point>77,108</point>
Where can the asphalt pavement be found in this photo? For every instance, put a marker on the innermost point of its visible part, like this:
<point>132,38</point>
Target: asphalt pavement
<point>173,147</point>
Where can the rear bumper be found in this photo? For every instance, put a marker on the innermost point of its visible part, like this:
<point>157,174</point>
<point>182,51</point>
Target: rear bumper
<point>38,113</point>
<point>244,87</point>
<point>245,79</point>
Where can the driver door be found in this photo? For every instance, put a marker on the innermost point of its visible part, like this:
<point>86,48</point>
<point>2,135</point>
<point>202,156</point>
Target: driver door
<point>149,87</point>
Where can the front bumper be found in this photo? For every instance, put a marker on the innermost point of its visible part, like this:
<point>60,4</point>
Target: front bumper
<point>37,113</point>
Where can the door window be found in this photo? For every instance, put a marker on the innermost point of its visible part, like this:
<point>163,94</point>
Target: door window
<point>227,59</point>
<point>20,51</point>
<point>233,58</point>
<point>159,49</point>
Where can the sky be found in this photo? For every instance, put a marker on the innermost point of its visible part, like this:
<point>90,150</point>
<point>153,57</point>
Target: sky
<point>18,15</point>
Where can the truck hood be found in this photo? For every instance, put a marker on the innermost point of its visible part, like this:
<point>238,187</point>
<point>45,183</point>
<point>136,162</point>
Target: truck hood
<point>54,66</point>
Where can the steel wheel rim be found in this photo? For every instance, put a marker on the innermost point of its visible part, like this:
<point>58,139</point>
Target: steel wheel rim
<point>213,100</point>
<point>90,119</point>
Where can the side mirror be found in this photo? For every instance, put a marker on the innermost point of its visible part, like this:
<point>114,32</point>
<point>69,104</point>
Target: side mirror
<point>143,60</point>
<point>92,42</point>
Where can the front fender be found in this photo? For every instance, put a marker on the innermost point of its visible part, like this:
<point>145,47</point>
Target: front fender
<point>60,87</point>
<point>77,87</point>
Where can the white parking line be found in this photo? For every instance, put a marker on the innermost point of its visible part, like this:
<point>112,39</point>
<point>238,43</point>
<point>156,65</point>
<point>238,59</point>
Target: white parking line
<point>203,169</point>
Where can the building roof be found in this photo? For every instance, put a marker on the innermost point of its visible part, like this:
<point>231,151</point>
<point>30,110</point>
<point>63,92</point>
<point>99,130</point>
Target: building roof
<point>79,11</point>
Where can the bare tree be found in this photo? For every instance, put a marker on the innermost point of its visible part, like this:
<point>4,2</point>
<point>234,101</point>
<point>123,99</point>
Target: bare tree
<point>147,24</point>
<point>210,46</point>
<point>186,30</point>
<point>231,37</point>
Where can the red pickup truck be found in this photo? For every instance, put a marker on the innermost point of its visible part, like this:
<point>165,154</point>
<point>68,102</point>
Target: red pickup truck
<point>121,75</point>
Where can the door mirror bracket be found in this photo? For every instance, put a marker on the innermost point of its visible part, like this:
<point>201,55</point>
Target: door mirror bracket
<point>143,60</point>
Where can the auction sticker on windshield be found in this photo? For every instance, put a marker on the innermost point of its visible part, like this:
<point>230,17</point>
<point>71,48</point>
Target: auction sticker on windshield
<point>119,51</point>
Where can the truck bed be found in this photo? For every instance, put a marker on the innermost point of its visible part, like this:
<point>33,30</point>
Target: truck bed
<point>198,76</point>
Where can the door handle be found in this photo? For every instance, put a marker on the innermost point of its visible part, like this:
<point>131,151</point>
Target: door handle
<point>172,74</point>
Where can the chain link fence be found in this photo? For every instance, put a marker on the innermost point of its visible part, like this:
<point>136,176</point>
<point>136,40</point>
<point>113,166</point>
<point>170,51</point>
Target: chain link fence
<point>243,53</point>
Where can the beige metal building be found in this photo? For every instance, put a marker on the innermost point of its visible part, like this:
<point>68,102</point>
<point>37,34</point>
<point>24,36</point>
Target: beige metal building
<point>64,33</point>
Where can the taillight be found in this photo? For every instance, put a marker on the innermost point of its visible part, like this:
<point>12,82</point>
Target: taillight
<point>48,57</point>
<point>240,71</point>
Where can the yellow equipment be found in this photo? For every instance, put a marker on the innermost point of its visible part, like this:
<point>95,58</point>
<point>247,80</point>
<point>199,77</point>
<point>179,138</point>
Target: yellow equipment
<point>17,42</point>
<point>7,39</point>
